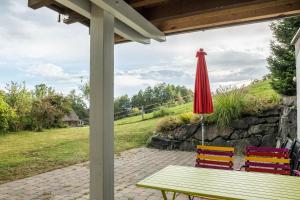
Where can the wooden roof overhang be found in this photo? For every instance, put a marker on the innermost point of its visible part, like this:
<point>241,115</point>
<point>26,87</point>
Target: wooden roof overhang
<point>179,16</point>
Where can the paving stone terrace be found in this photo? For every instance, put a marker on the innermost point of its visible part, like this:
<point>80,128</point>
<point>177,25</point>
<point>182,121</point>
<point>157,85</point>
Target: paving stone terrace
<point>72,183</point>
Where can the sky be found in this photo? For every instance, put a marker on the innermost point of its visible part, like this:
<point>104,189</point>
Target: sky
<point>35,48</point>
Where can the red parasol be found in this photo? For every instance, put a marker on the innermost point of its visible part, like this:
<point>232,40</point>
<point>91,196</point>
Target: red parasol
<point>202,97</point>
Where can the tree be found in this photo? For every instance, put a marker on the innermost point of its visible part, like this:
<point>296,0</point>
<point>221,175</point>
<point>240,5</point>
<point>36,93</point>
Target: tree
<point>49,111</point>
<point>85,89</point>
<point>19,99</point>
<point>282,63</point>
<point>7,115</point>
<point>78,105</point>
<point>42,90</point>
<point>122,104</point>
<point>138,100</point>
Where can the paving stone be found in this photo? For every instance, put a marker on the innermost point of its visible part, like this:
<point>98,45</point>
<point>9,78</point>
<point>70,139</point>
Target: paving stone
<point>72,183</point>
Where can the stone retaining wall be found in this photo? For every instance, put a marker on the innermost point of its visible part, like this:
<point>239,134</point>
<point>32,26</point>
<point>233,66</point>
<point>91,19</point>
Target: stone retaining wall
<point>260,130</point>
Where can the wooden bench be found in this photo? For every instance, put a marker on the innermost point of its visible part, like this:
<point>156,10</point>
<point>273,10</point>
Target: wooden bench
<point>215,157</point>
<point>267,160</point>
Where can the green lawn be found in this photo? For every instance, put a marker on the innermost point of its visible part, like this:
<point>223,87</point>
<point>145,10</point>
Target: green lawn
<point>27,153</point>
<point>262,89</point>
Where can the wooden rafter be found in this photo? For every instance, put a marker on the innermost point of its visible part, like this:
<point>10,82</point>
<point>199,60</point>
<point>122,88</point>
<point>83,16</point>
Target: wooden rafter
<point>145,3</point>
<point>227,15</point>
<point>36,4</point>
<point>176,16</point>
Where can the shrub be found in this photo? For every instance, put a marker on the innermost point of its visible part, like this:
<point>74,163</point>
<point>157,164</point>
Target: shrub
<point>168,123</point>
<point>229,105</point>
<point>7,116</point>
<point>195,119</point>
<point>185,118</point>
<point>135,110</point>
<point>162,112</point>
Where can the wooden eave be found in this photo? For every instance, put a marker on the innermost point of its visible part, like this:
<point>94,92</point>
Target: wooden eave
<point>179,16</point>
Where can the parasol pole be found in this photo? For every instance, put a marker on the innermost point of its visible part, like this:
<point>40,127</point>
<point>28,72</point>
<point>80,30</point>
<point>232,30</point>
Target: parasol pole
<point>202,128</point>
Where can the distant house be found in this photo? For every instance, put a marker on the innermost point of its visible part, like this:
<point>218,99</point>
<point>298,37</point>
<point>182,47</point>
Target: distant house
<point>72,120</point>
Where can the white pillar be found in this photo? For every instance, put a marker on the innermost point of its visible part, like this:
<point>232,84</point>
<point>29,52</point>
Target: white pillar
<point>101,105</point>
<point>296,42</point>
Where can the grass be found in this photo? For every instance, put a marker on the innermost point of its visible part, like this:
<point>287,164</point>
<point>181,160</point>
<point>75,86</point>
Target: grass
<point>28,153</point>
<point>261,90</point>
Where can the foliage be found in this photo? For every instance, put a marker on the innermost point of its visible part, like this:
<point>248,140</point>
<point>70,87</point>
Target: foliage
<point>42,91</point>
<point>39,108</point>
<point>162,112</point>
<point>186,117</point>
<point>161,93</point>
<point>19,99</point>
<point>135,110</point>
<point>168,123</point>
<point>49,111</point>
<point>152,98</point>
<point>122,105</point>
<point>85,89</point>
<point>229,104</point>
<point>282,62</point>
<point>78,105</point>
<point>7,116</point>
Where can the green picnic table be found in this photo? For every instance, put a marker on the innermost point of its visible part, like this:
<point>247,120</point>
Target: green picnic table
<point>223,184</point>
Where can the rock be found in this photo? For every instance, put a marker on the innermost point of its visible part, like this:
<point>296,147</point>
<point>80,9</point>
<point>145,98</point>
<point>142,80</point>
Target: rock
<point>263,129</point>
<point>289,101</point>
<point>246,122</point>
<point>268,141</point>
<point>271,112</point>
<point>183,132</point>
<point>254,120</point>
<point>239,124</point>
<point>191,130</point>
<point>159,142</point>
<point>225,132</point>
<point>180,133</point>
<point>188,145</point>
<point>235,135</point>
<point>212,132</point>
<point>255,140</point>
<point>290,113</point>
<point>255,129</point>
<point>272,120</point>
<point>288,123</point>
<point>219,141</point>
<point>244,134</point>
<point>198,134</point>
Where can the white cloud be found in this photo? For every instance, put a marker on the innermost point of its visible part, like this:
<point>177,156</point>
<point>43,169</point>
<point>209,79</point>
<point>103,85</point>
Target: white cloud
<point>53,72</point>
<point>27,34</point>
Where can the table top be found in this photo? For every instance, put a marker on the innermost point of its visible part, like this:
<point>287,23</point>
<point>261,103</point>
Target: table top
<point>224,184</point>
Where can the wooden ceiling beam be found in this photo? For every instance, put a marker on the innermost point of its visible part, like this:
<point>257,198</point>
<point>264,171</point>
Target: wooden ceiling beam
<point>145,3</point>
<point>176,16</point>
<point>231,15</point>
<point>179,8</point>
<point>36,4</point>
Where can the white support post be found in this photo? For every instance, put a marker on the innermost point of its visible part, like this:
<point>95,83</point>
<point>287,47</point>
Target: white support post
<point>296,42</point>
<point>101,105</point>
